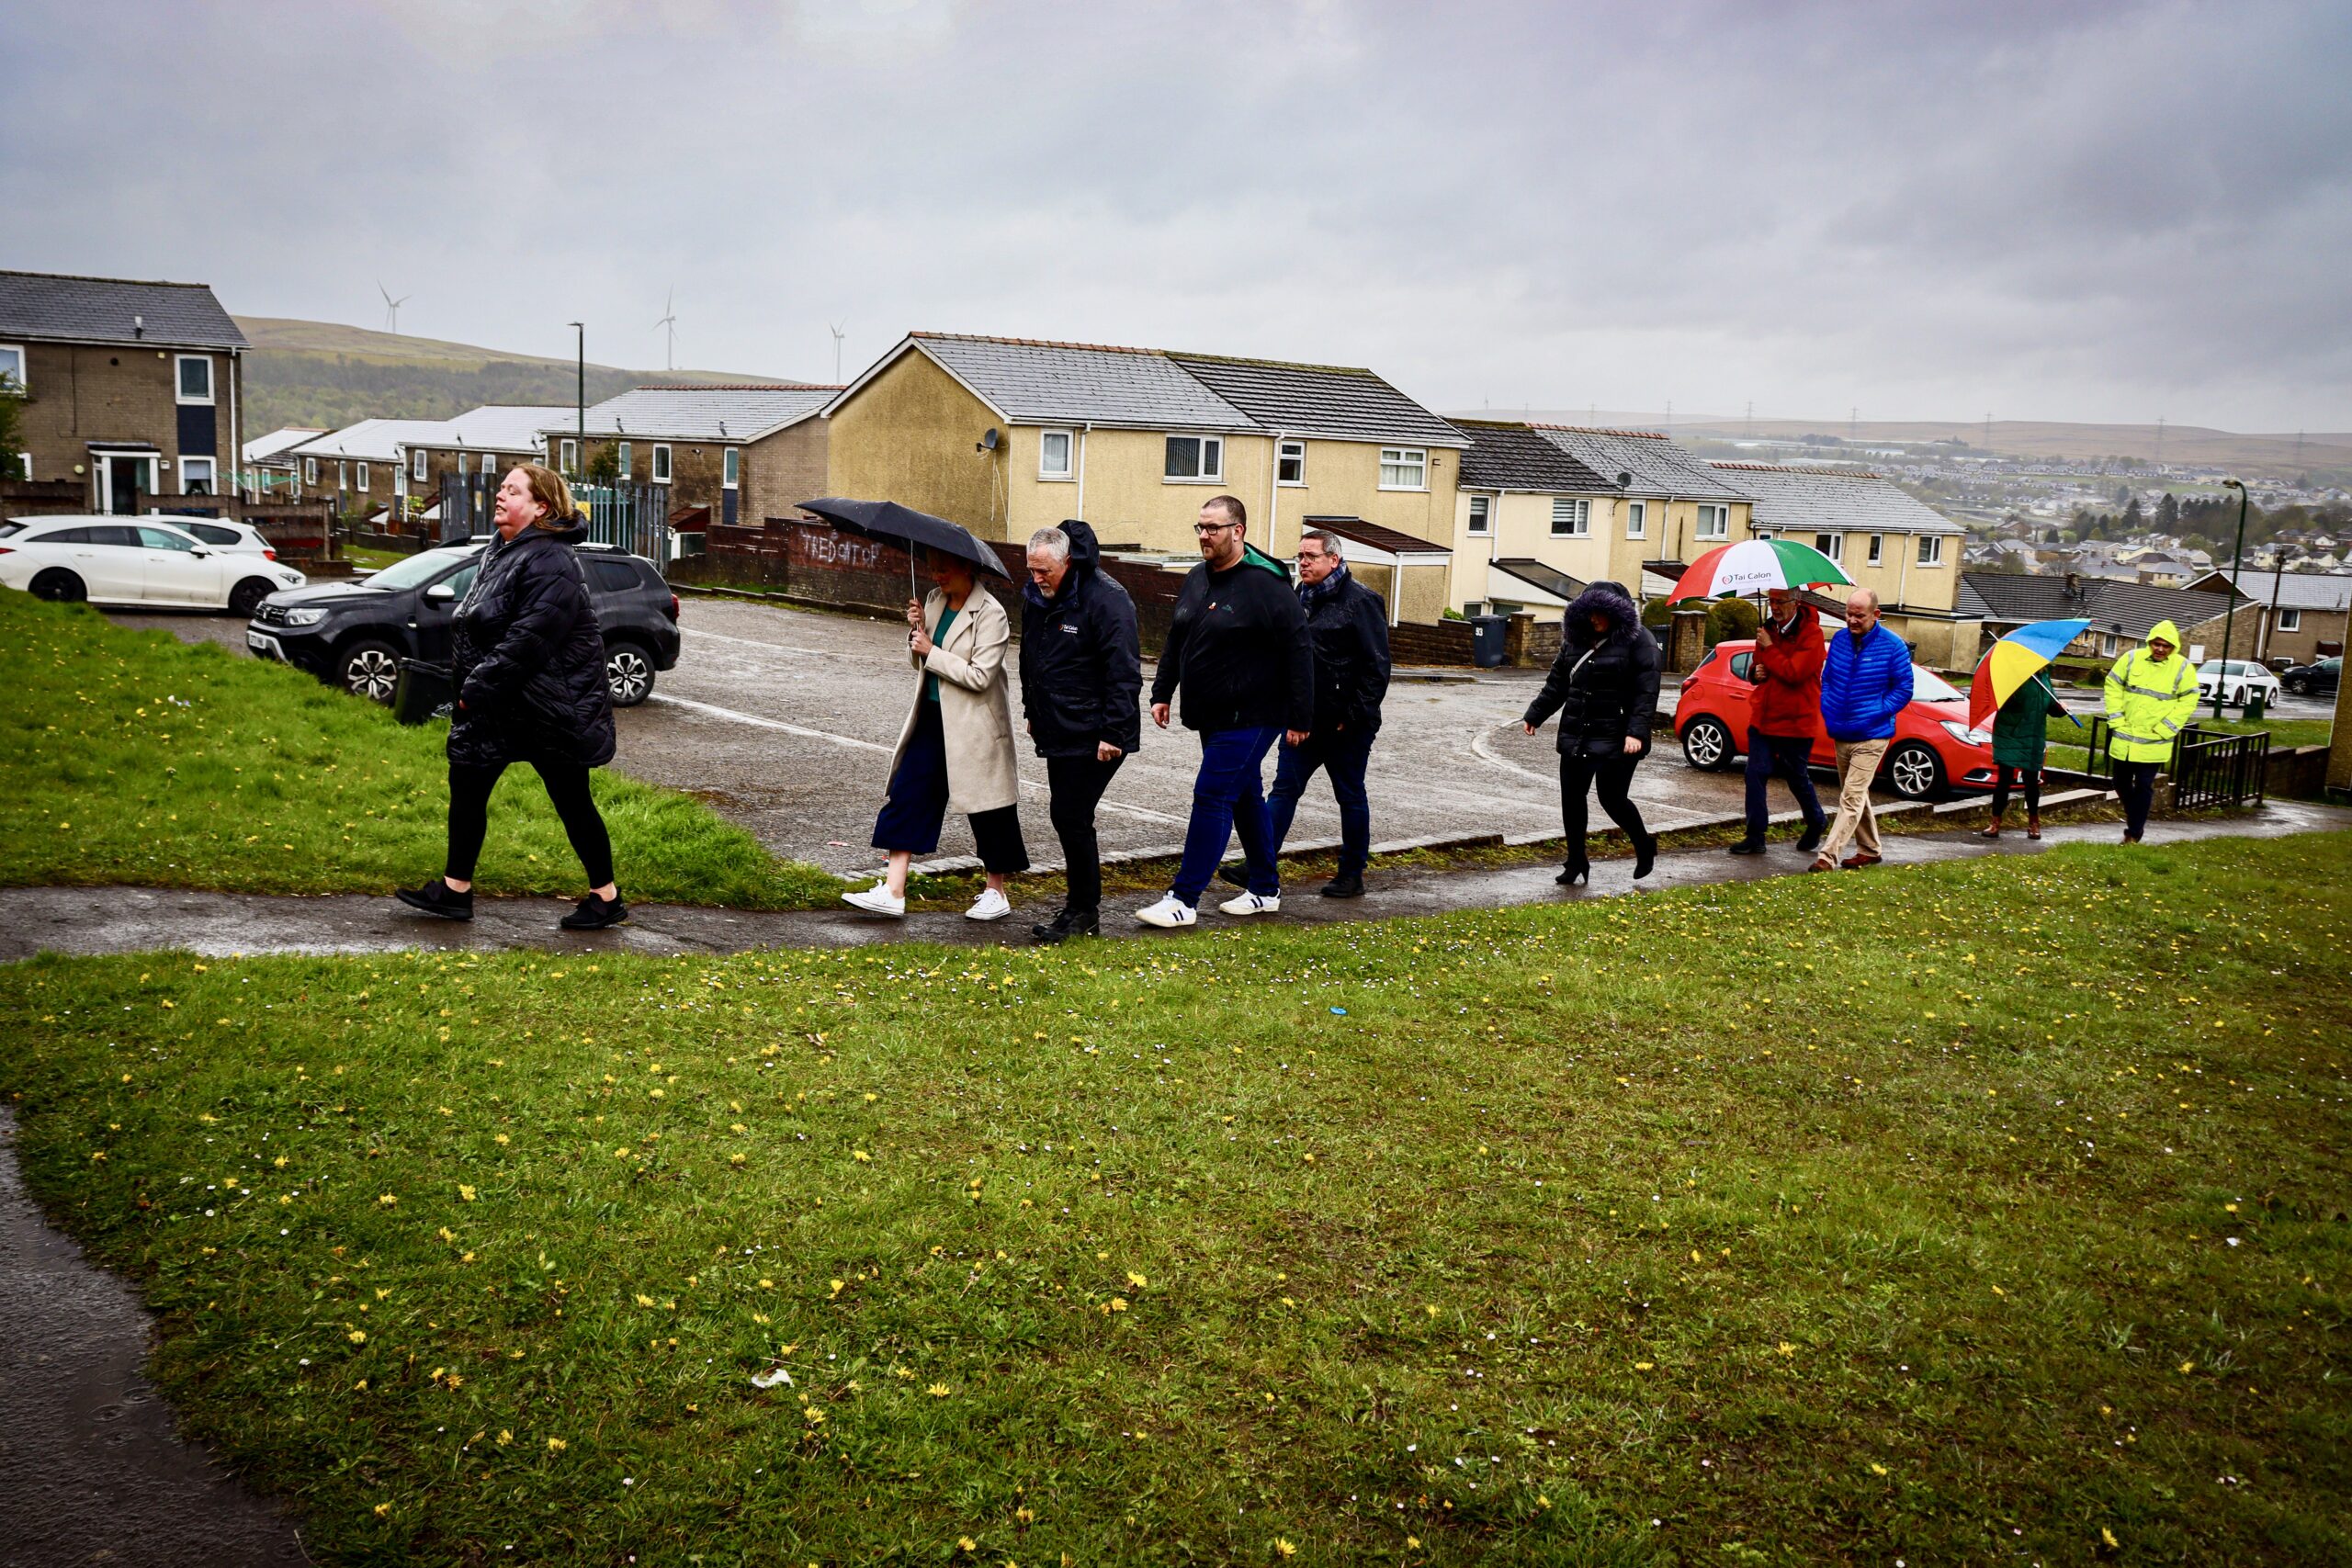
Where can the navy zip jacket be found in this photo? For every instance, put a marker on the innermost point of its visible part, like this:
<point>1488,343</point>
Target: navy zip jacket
<point>1239,650</point>
<point>526,658</point>
<point>1864,685</point>
<point>1349,627</point>
<point>1081,669</point>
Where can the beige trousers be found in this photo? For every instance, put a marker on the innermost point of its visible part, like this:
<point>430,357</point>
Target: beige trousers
<point>1857,767</point>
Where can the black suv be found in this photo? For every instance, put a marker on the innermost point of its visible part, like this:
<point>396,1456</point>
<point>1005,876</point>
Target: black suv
<point>354,635</point>
<point>2317,679</point>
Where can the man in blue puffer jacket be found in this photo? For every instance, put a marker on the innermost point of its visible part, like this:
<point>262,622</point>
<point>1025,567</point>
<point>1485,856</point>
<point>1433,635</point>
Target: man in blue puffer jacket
<point>1865,682</point>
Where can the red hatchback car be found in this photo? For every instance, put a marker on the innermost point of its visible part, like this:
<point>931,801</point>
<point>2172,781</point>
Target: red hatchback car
<point>1934,752</point>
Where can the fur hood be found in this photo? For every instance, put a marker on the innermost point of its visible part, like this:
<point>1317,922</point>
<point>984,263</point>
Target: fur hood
<point>1608,599</point>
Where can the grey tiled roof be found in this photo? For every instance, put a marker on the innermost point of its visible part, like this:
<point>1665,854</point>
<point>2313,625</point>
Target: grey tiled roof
<point>1655,465</point>
<point>1328,402</point>
<point>504,427</point>
<point>2295,590</point>
<point>374,440</point>
<point>740,412</point>
<point>1834,500</point>
<point>101,309</point>
<point>1512,457</point>
<point>1034,382</point>
<point>278,443</point>
<point>2011,598</point>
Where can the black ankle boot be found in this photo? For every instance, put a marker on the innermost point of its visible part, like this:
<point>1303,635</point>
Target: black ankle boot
<point>1644,855</point>
<point>1067,924</point>
<point>437,897</point>
<point>1576,871</point>
<point>1348,887</point>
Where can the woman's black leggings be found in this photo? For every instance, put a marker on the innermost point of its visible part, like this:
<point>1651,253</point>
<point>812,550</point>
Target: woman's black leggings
<point>1611,776</point>
<point>2029,778</point>
<point>567,785</point>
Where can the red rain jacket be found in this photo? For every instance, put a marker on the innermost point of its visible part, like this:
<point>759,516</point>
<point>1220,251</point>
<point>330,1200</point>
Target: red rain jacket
<point>1788,679</point>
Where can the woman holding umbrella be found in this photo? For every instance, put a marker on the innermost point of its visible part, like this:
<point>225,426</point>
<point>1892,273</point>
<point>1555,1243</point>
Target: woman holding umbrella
<point>2020,736</point>
<point>955,750</point>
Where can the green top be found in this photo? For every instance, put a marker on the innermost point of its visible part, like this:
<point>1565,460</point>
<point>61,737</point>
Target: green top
<point>2021,729</point>
<point>931,682</point>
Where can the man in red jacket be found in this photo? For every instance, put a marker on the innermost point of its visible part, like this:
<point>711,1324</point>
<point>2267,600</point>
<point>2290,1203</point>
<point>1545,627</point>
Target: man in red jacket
<point>1784,716</point>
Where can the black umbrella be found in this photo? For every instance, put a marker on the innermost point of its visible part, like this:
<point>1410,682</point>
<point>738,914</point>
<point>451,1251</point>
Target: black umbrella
<point>904,525</point>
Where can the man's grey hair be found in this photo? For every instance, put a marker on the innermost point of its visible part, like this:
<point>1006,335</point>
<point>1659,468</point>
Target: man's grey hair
<point>1323,536</point>
<point>1867,595</point>
<point>1050,542</point>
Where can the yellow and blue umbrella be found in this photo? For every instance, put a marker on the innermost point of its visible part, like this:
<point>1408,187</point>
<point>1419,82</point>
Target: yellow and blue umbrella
<point>2018,658</point>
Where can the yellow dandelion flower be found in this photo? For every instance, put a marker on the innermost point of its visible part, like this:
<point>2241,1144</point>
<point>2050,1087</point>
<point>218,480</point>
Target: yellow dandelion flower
<point>465,1193</point>
<point>387,1199</point>
<point>1877,1469</point>
<point>1284,1548</point>
<point>939,1390</point>
<point>1137,1280</point>
<point>504,1437</point>
<point>557,1445</point>
<point>357,1337</point>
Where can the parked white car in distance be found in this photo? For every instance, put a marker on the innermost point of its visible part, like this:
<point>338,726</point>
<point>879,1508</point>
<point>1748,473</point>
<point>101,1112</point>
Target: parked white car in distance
<point>134,560</point>
<point>237,538</point>
<point>2242,677</point>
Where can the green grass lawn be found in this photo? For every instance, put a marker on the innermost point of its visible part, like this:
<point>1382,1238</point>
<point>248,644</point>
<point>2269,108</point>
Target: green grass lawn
<point>1990,1212</point>
<point>372,560</point>
<point>128,756</point>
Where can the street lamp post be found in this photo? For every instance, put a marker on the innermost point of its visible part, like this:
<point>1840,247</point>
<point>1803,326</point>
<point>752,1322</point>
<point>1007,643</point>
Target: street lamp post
<point>580,395</point>
<point>2222,680</point>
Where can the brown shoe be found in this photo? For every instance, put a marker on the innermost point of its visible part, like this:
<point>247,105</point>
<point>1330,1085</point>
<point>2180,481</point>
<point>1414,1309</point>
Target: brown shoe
<point>1991,830</point>
<point>1860,859</point>
<point>2033,826</point>
<point>1825,864</point>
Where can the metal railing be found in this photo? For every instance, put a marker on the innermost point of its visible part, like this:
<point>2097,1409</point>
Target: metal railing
<point>633,517</point>
<point>2208,767</point>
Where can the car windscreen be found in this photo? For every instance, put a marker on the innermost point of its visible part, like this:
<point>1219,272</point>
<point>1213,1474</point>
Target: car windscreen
<point>421,568</point>
<point>1926,687</point>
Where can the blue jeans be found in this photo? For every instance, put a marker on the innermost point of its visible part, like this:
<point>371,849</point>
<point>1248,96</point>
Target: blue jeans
<point>1343,755</point>
<point>1790,758</point>
<point>1229,798</point>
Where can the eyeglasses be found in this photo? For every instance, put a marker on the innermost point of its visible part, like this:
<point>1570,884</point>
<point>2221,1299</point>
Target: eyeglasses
<point>1206,529</point>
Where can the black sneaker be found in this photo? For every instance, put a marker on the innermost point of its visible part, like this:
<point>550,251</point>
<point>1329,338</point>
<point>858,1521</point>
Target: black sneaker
<point>1234,873</point>
<point>1342,888</point>
<point>1813,836</point>
<point>437,897</point>
<point>1067,924</point>
<point>1747,847</point>
<point>595,914</point>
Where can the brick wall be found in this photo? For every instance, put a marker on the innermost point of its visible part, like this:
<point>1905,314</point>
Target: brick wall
<point>43,498</point>
<point>1443,642</point>
<point>77,393</point>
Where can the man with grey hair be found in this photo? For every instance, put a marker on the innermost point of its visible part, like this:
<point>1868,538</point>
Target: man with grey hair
<point>1865,683</point>
<point>1081,675</point>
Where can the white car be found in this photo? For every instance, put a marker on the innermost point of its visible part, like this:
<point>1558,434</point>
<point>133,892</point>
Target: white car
<point>134,560</point>
<point>237,538</point>
<point>2242,678</point>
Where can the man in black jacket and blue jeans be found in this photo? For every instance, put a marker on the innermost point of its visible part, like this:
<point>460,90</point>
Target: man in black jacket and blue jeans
<point>1081,673</point>
<point>1238,648</point>
<point>1349,627</point>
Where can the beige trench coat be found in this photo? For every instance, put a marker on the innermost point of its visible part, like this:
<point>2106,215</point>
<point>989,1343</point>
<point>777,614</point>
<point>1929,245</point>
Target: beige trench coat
<point>975,704</point>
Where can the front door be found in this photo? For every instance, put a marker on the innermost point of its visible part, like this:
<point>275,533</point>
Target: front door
<point>121,476</point>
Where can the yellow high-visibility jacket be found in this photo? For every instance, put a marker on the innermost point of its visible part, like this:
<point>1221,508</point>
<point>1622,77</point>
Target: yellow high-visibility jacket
<point>2148,700</point>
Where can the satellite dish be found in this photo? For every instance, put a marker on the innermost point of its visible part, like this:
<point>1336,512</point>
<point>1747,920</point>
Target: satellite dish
<point>1623,479</point>
<point>989,441</point>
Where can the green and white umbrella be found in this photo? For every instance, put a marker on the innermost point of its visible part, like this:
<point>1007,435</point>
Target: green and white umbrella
<point>1752,566</point>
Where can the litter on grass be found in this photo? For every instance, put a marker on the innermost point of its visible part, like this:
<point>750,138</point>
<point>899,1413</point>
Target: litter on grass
<point>772,1377</point>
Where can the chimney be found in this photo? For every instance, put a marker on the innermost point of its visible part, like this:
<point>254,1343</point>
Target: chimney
<point>2074,586</point>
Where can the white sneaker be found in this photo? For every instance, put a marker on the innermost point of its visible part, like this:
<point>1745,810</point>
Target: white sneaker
<point>1169,914</point>
<point>876,900</point>
<point>1252,904</point>
<point>990,905</point>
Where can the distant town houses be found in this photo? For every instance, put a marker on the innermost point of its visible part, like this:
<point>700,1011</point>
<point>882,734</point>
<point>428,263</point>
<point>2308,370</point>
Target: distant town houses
<point>272,471</point>
<point>482,443</point>
<point>361,467</point>
<point>2121,612</point>
<point>724,452</point>
<point>2304,614</point>
<point>130,389</point>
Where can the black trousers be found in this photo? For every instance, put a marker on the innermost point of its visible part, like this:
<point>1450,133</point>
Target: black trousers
<point>1077,785</point>
<point>2029,778</point>
<point>2136,783</point>
<point>1611,776</point>
<point>567,786</point>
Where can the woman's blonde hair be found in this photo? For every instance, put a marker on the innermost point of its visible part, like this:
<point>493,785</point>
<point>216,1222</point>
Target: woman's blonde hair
<point>550,491</point>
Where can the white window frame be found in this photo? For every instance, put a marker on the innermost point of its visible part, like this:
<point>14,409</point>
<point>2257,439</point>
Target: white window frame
<point>624,460</point>
<point>1481,518</point>
<point>179,385</point>
<point>489,464</point>
<point>1637,520</point>
<point>730,468</point>
<point>661,470</point>
<point>24,361</point>
<point>2291,619</point>
<point>1046,469</point>
<point>1571,517</point>
<point>309,471</point>
<point>416,460</point>
<point>25,464</point>
<point>567,458</point>
<point>211,467</point>
<point>363,478</point>
<point>1931,549</point>
<point>1714,521</point>
<point>1836,543</point>
<point>1292,455</point>
<point>1878,548</point>
<point>1405,458</point>
<point>2107,645</point>
<point>1202,445</point>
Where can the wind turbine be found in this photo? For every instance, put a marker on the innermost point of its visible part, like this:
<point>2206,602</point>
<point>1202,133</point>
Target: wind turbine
<point>669,322</point>
<point>837,353</point>
<point>391,306</point>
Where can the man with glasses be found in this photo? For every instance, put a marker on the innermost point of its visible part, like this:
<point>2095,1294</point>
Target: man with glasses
<point>1865,683</point>
<point>1238,648</point>
<point>1348,627</point>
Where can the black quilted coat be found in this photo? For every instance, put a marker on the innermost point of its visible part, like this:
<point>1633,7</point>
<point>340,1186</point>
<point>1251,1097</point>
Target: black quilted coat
<point>527,662</point>
<point>1604,687</point>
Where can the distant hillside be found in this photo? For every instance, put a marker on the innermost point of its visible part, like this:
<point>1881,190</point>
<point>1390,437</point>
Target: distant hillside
<point>328,376</point>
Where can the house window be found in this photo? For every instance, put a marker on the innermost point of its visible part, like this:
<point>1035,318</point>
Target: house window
<point>1290,463</point>
<point>1053,454</point>
<point>363,476</point>
<point>343,476</point>
<point>661,465</point>
<point>1571,519</point>
<point>23,465</point>
<point>568,456</point>
<point>196,378</point>
<point>416,465</point>
<point>197,476</point>
<point>622,459</point>
<point>1714,522</point>
<point>2289,620</point>
<point>1638,519</point>
<point>1482,519</point>
<point>2107,645</point>
<point>1195,457</point>
<point>489,464</point>
<point>309,471</point>
<point>1931,549</point>
<point>730,467</point>
<point>1404,467</point>
<point>1830,544</point>
<point>1878,547</point>
<point>12,365</point>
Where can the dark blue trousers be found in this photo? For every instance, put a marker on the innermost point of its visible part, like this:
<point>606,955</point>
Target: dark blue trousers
<point>1343,754</point>
<point>1790,758</point>
<point>917,807</point>
<point>1229,798</point>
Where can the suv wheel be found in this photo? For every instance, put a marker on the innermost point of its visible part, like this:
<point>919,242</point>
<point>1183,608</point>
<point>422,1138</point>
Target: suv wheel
<point>246,597</point>
<point>2296,684</point>
<point>1916,772</point>
<point>1706,744</point>
<point>628,674</point>
<point>59,586</point>
<point>369,669</point>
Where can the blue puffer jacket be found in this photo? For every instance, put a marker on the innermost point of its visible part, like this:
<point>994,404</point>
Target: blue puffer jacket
<point>1864,685</point>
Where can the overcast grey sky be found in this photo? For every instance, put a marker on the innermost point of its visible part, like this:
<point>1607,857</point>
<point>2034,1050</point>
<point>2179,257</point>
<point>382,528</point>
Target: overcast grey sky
<point>2045,210</point>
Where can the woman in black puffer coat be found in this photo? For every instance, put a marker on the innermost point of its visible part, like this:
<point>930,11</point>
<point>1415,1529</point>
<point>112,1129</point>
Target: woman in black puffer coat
<point>527,667</point>
<point>1604,687</point>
